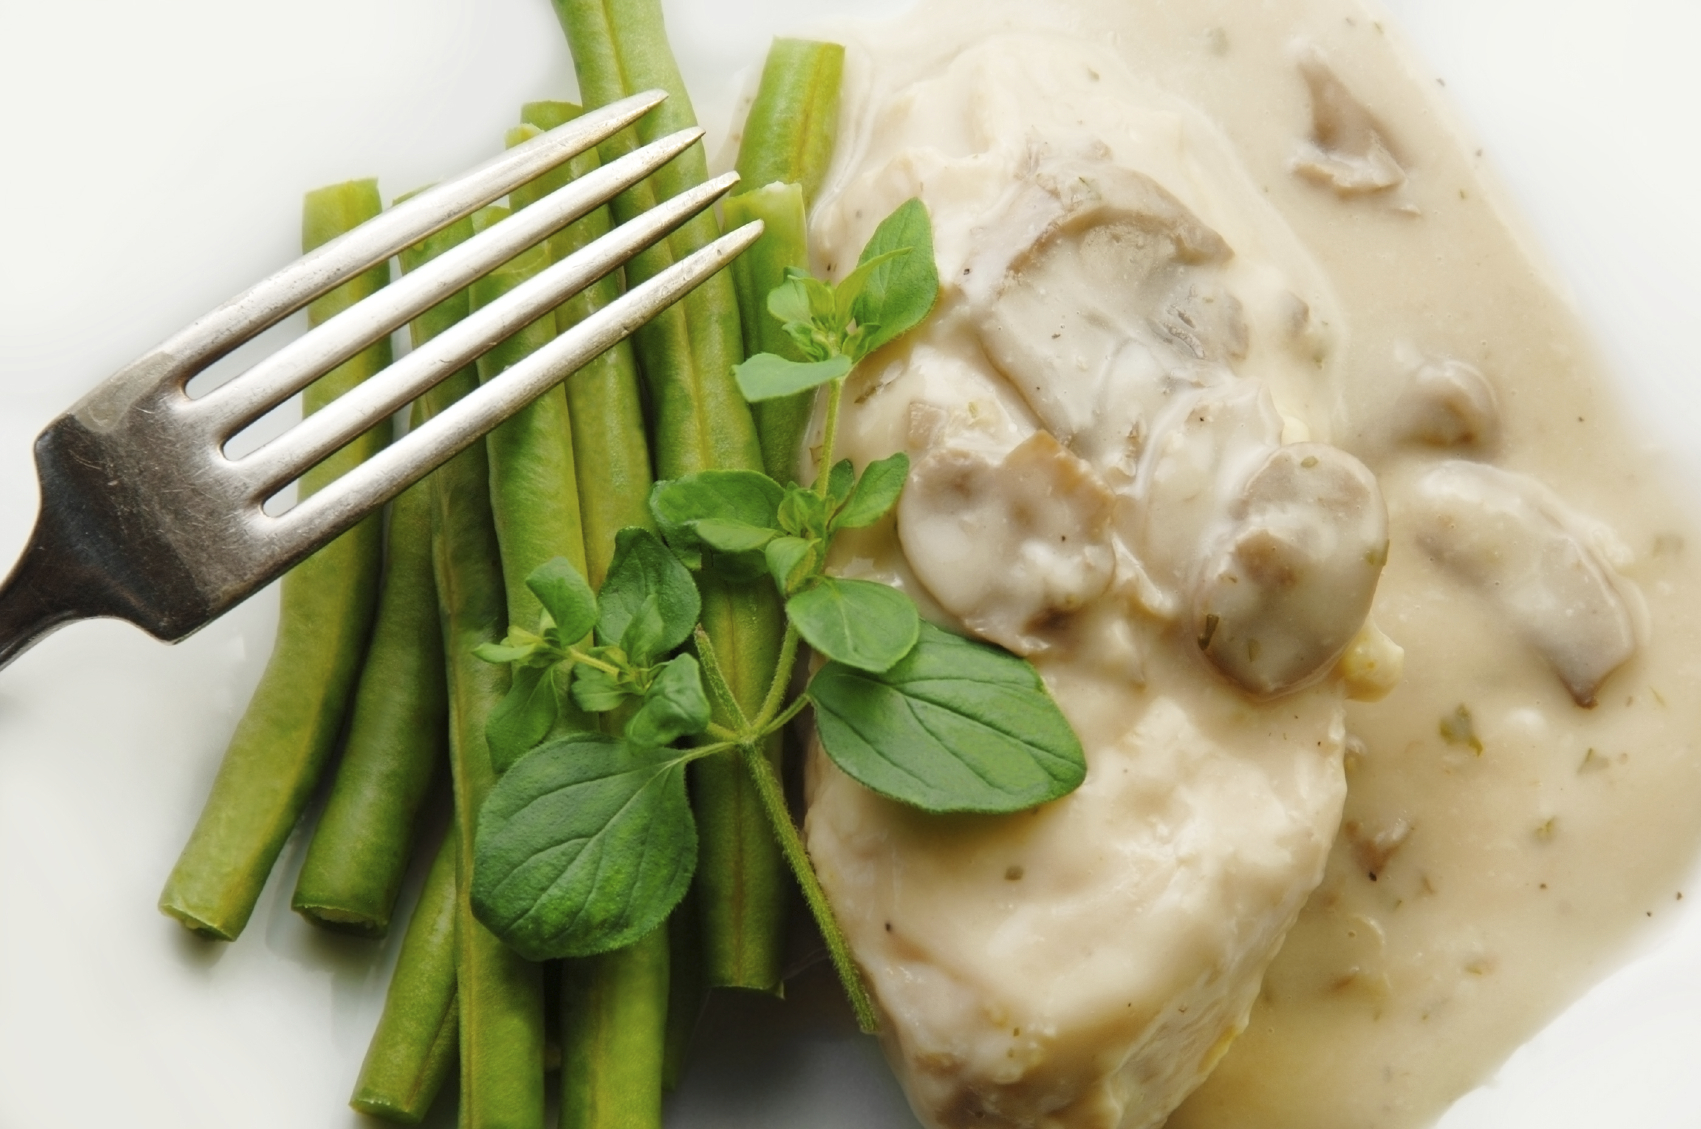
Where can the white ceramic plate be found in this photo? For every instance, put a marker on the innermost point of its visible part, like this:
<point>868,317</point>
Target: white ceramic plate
<point>156,155</point>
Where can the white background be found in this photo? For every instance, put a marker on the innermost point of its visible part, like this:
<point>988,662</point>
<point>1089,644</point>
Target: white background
<point>155,155</point>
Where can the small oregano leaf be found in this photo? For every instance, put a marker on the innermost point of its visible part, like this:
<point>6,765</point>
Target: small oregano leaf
<point>566,596</point>
<point>644,569</point>
<point>732,536</point>
<point>645,632</point>
<point>805,301</point>
<point>803,513</point>
<point>522,718</point>
<point>956,726</point>
<point>899,292</point>
<point>768,376</point>
<point>674,707</point>
<point>850,287</point>
<point>506,652</point>
<point>841,480</point>
<point>790,560</point>
<point>876,492</point>
<point>744,496</point>
<point>583,847</point>
<point>857,622</point>
<point>597,691</point>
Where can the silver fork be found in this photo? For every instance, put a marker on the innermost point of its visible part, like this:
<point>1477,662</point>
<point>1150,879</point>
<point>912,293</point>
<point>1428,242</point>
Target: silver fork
<point>143,515</point>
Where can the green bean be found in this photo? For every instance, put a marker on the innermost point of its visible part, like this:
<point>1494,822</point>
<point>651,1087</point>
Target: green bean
<point>603,398</point>
<point>396,744</point>
<point>688,353</point>
<point>325,612</point>
<point>498,992</point>
<point>418,1033</point>
<point>534,493</point>
<point>498,995</point>
<point>613,1006</point>
<point>686,991</point>
<point>793,124</point>
<point>614,1010</point>
<point>700,422</point>
<point>780,422</point>
<point>788,140</point>
<point>414,1046</point>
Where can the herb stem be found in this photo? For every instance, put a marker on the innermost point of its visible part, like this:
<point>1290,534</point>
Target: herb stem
<point>579,656</point>
<point>791,845</point>
<point>717,681</point>
<point>782,679</point>
<point>699,752</point>
<point>784,719</point>
<point>829,435</point>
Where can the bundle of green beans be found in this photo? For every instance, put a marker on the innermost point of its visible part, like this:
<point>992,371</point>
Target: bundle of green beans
<point>560,479</point>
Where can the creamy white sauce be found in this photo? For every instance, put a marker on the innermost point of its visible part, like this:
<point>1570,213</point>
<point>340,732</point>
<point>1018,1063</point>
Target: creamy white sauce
<point>1177,241</point>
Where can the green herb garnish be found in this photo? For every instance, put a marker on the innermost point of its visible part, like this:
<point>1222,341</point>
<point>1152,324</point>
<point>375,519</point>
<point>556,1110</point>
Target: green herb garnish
<point>587,841</point>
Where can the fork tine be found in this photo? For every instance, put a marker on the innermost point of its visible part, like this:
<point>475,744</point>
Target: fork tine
<point>339,505</point>
<point>271,381</point>
<point>269,301</point>
<point>284,458</point>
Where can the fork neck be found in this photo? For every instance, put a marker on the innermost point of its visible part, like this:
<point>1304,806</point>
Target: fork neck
<point>41,594</point>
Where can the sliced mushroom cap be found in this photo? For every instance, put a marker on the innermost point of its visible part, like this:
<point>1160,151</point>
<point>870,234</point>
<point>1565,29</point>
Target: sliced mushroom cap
<point>1196,465</point>
<point>1508,537</point>
<point>1008,546</point>
<point>1449,404</point>
<point>1118,300</point>
<point>1346,150</point>
<point>1290,586</point>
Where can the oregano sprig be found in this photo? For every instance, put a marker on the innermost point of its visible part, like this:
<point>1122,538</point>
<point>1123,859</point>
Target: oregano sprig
<point>587,841</point>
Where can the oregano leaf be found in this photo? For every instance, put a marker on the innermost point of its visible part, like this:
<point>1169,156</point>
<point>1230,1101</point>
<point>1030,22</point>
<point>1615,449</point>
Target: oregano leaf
<point>644,633</point>
<point>850,287</point>
<point>803,513</point>
<point>841,480</point>
<point>597,691</point>
<point>955,726</point>
<point>583,847</point>
<point>857,622</point>
<point>768,376</point>
<point>675,705</point>
<point>506,652</point>
<point>790,560</point>
<point>522,718</point>
<point>566,596</point>
<point>745,496</point>
<point>876,492</point>
<point>802,298</point>
<point>899,292</point>
<point>732,536</point>
<point>642,569</point>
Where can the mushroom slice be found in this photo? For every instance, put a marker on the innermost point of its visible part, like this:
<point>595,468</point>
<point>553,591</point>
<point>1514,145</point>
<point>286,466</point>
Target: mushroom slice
<point>1118,301</point>
<point>1201,454</point>
<point>1346,151</point>
<point>1449,404</point>
<point>1010,546</point>
<point>1506,536</point>
<point>1291,584</point>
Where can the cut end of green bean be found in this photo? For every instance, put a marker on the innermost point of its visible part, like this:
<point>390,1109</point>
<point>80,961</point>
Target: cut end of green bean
<point>548,115</point>
<point>339,920</point>
<point>201,924</point>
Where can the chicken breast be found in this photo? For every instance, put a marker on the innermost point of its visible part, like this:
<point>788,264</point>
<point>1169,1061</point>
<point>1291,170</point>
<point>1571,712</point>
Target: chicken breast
<point>1118,419</point>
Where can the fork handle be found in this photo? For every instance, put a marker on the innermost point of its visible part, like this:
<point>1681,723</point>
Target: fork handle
<point>39,595</point>
<point>89,555</point>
